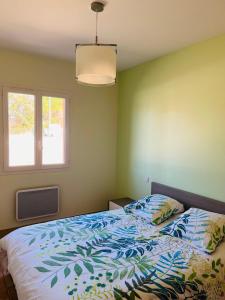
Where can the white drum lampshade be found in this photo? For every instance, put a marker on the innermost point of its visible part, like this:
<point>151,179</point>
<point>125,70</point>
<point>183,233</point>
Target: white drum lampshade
<point>96,64</point>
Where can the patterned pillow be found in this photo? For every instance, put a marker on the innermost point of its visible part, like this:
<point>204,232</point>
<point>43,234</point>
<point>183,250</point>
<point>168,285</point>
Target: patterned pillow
<point>155,208</point>
<point>202,228</point>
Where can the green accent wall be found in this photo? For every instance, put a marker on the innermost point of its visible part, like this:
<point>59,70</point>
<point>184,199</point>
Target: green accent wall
<point>171,122</point>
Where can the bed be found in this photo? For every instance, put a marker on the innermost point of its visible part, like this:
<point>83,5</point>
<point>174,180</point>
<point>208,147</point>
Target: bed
<point>114,255</point>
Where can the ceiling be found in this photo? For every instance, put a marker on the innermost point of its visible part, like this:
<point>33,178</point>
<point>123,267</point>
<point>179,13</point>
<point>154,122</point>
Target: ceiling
<point>143,29</point>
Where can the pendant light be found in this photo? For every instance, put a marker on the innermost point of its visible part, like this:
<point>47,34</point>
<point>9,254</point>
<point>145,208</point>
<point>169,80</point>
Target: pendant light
<point>96,63</point>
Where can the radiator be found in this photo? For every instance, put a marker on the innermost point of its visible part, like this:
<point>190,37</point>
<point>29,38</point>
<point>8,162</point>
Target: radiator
<point>38,202</point>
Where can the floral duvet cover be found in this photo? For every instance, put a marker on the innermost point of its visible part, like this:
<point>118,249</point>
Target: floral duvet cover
<point>108,255</point>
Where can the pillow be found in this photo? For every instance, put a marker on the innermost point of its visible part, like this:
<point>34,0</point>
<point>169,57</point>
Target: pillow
<point>202,228</point>
<point>155,208</point>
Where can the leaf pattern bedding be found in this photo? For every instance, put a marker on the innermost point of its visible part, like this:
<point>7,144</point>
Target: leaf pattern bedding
<point>109,255</point>
<point>201,228</point>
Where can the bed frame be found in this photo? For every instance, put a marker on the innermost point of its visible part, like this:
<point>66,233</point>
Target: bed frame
<point>189,199</point>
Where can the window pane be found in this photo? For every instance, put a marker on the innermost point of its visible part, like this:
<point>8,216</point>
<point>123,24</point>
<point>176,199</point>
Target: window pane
<point>21,115</point>
<point>53,130</point>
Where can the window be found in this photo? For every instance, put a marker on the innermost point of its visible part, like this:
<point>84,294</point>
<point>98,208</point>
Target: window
<point>53,130</point>
<point>35,130</point>
<point>21,129</point>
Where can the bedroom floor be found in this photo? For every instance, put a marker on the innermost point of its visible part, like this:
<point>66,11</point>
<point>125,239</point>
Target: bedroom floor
<point>7,289</point>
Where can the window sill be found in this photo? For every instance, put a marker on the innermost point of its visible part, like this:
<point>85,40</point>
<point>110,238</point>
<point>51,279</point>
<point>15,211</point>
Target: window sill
<point>47,169</point>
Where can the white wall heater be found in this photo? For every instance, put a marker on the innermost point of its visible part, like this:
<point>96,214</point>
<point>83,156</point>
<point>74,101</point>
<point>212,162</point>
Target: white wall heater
<point>36,203</point>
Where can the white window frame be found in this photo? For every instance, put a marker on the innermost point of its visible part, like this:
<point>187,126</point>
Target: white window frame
<point>38,94</point>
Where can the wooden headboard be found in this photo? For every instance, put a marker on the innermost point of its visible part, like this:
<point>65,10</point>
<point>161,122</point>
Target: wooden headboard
<point>189,199</point>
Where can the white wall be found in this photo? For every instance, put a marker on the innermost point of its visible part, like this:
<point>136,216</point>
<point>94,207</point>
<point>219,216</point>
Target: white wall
<point>90,180</point>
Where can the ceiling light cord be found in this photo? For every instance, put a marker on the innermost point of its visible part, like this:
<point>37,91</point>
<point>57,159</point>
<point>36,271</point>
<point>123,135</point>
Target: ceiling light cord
<point>96,29</point>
